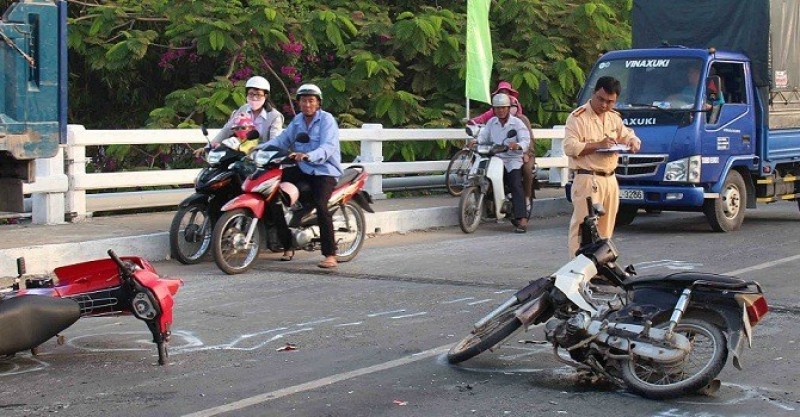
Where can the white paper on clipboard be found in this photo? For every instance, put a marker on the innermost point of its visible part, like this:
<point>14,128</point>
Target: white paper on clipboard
<point>616,148</point>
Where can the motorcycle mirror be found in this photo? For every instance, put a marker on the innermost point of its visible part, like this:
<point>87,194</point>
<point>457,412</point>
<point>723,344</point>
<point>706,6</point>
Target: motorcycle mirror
<point>630,269</point>
<point>302,137</point>
<point>468,129</point>
<point>599,209</point>
<point>204,129</point>
<point>21,267</point>
<point>511,134</point>
<point>253,134</point>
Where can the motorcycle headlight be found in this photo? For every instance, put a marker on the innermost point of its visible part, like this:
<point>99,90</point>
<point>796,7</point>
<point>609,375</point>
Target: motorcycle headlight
<point>143,307</point>
<point>684,170</point>
<point>214,157</point>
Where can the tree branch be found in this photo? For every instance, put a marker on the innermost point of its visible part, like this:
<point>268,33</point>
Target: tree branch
<point>288,95</point>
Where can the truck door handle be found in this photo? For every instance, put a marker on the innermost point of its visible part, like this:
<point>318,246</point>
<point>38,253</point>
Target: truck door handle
<point>746,139</point>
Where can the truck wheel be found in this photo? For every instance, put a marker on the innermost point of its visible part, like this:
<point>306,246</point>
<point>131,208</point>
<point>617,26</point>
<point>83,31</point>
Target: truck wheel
<point>625,215</point>
<point>726,213</point>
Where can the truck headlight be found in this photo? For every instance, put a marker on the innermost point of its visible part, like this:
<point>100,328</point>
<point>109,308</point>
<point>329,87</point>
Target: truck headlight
<point>684,170</point>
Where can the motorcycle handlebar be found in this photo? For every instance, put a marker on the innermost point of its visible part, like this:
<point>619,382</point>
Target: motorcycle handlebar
<point>118,261</point>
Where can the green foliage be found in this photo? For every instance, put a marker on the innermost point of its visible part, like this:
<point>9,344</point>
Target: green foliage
<point>400,63</point>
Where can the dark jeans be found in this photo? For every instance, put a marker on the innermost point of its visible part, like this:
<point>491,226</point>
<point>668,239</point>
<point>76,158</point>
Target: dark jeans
<point>513,181</point>
<point>321,189</point>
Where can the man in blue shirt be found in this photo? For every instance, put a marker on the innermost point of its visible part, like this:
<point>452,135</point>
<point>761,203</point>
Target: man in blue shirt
<point>318,165</point>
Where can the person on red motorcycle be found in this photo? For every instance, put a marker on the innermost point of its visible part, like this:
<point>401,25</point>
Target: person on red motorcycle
<point>318,166</point>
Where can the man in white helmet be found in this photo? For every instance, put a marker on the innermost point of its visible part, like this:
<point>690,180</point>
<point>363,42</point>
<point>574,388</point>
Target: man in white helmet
<point>318,164</point>
<point>496,131</point>
<point>267,121</point>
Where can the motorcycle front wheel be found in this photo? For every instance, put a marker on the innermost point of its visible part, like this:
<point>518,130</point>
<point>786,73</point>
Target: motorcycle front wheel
<point>470,209</point>
<point>696,370</point>
<point>485,337</point>
<point>232,253</point>
<point>349,231</point>
<point>190,234</point>
<point>457,171</point>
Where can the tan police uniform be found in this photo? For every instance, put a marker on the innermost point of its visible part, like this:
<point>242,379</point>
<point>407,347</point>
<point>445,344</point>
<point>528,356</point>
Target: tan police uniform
<point>593,172</point>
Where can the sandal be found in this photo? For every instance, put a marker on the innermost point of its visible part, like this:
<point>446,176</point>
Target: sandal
<point>287,255</point>
<point>522,226</point>
<point>328,263</point>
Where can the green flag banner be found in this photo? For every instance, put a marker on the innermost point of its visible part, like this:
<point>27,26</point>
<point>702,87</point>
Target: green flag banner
<point>479,50</point>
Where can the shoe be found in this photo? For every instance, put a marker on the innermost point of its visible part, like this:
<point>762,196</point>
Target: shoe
<point>328,263</point>
<point>522,226</point>
<point>288,257</point>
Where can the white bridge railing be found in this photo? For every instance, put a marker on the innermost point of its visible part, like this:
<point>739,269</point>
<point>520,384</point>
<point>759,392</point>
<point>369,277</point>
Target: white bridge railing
<point>56,192</point>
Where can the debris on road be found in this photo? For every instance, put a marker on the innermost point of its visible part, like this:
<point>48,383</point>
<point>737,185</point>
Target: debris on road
<point>287,347</point>
<point>399,402</point>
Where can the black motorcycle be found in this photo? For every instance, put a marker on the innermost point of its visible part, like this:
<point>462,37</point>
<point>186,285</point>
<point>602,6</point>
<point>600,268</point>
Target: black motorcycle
<point>659,336</point>
<point>218,183</point>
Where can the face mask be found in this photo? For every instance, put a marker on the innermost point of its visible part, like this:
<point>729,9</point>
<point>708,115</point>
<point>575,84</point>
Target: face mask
<point>256,103</point>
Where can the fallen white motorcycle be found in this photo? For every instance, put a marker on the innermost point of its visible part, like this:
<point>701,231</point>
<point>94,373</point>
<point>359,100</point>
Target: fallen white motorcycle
<point>659,336</point>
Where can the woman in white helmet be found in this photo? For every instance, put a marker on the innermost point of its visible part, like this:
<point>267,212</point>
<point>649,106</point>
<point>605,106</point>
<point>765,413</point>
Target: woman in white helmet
<point>267,120</point>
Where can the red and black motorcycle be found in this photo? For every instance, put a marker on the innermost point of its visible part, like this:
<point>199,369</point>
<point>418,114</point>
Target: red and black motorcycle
<point>104,287</point>
<point>221,181</point>
<point>239,233</point>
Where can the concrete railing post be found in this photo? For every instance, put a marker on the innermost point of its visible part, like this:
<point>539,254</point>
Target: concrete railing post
<point>558,175</point>
<point>47,207</point>
<point>372,152</point>
<point>76,166</point>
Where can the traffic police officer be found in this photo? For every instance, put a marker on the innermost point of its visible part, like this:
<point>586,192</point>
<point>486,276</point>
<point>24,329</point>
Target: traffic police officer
<point>591,130</point>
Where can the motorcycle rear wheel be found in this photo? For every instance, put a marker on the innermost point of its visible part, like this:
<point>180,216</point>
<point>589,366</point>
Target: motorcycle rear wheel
<point>470,209</point>
<point>354,232</point>
<point>231,254</point>
<point>486,337</point>
<point>663,381</point>
<point>190,234</point>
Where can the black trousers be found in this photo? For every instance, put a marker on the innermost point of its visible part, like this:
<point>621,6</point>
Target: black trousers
<point>321,187</point>
<point>513,181</point>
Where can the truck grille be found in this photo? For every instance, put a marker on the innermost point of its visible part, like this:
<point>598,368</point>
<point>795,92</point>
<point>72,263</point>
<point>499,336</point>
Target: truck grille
<point>639,165</point>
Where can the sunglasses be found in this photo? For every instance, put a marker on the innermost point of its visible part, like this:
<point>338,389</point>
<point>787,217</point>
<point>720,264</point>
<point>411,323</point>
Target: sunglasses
<point>255,95</point>
<point>238,128</point>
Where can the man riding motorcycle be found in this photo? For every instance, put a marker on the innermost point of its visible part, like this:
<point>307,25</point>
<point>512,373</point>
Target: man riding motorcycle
<point>496,131</point>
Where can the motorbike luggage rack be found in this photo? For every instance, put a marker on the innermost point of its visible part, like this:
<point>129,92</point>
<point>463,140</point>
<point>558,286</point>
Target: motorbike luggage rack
<point>727,286</point>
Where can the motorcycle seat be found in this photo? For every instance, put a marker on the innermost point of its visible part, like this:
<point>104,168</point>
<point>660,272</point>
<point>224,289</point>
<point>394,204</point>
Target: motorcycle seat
<point>348,176</point>
<point>685,278</point>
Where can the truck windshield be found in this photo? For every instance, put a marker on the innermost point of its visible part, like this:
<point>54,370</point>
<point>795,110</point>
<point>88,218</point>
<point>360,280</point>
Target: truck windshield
<point>665,83</point>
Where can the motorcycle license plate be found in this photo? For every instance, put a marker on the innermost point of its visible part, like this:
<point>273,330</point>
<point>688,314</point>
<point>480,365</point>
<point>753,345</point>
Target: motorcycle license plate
<point>631,195</point>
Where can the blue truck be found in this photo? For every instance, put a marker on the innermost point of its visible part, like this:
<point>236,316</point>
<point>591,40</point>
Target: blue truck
<point>711,88</point>
<point>33,97</point>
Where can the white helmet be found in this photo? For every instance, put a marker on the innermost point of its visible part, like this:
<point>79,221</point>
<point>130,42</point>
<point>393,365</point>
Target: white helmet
<point>501,100</point>
<point>289,193</point>
<point>308,90</point>
<point>258,82</point>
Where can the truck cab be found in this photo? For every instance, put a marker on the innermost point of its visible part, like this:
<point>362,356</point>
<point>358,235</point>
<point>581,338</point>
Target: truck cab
<point>704,146</point>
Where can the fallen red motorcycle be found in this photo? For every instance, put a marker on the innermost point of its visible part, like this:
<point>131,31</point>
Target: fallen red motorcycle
<point>104,287</point>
